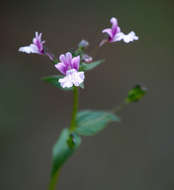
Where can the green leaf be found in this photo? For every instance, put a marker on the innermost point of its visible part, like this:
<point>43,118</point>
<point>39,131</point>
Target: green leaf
<point>91,122</point>
<point>54,81</point>
<point>65,146</point>
<point>89,66</point>
<point>136,93</point>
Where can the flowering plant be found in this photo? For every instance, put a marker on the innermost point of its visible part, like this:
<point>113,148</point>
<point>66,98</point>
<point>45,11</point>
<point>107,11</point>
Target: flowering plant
<point>72,67</point>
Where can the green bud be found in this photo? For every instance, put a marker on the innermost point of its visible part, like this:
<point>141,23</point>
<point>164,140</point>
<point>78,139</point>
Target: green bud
<point>136,93</point>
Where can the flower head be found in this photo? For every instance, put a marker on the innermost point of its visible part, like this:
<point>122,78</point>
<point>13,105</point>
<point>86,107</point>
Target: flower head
<point>36,46</point>
<point>69,67</point>
<point>114,33</point>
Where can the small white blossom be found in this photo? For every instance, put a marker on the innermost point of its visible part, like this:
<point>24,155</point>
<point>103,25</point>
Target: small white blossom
<point>73,77</point>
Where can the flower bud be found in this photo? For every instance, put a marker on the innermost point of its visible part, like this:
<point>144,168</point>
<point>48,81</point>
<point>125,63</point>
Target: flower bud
<point>136,93</point>
<point>83,44</point>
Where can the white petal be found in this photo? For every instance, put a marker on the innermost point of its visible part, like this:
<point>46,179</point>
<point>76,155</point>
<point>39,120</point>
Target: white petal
<point>78,78</point>
<point>29,49</point>
<point>65,82</point>
<point>126,37</point>
<point>73,77</point>
<point>118,37</point>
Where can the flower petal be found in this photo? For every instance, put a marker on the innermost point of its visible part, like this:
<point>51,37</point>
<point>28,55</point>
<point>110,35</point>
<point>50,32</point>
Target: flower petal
<point>65,82</point>
<point>29,49</point>
<point>108,31</point>
<point>118,37</point>
<point>61,67</point>
<point>68,58</point>
<point>130,37</point>
<point>78,78</point>
<point>126,37</point>
<point>76,63</point>
<point>73,77</point>
<point>114,22</point>
<point>62,58</point>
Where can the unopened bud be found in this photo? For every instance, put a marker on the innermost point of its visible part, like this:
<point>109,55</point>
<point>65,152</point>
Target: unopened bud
<point>83,44</point>
<point>136,93</point>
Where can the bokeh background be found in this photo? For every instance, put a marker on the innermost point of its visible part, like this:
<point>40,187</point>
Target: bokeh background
<point>137,153</point>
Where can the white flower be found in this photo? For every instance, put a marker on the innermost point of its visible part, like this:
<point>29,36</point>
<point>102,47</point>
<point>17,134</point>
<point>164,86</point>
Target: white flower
<point>114,33</point>
<point>126,37</point>
<point>73,77</point>
<point>36,47</point>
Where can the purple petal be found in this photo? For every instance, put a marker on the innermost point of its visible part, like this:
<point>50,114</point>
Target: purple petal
<point>108,31</point>
<point>68,58</point>
<point>61,67</point>
<point>114,22</point>
<point>76,62</point>
<point>62,58</point>
<point>114,26</point>
<point>40,36</point>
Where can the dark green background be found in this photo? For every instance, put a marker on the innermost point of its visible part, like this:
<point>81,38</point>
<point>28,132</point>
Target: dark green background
<point>136,154</point>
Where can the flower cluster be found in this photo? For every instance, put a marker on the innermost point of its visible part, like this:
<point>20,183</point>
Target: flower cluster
<point>69,67</point>
<point>69,64</point>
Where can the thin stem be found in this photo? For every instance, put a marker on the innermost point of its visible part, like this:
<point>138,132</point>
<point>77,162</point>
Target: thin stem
<point>55,178</point>
<point>75,109</point>
<point>54,181</point>
<point>120,107</point>
<point>94,51</point>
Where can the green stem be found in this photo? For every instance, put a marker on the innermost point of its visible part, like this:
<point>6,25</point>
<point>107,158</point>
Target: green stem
<point>120,107</point>
<point>75,109</point>
<point>54,180</point>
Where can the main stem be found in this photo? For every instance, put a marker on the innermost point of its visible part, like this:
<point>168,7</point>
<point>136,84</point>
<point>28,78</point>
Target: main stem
<point>75,109</point>
<point>73,125</point>
<point>54,180</point>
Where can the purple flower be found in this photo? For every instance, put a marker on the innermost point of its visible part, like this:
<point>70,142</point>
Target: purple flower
<point>35,47</point>
<point>69,67</point>
<point>115,33</point>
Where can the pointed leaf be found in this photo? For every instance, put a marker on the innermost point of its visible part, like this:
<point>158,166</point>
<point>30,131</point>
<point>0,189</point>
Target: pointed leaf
<point>89,66</point>
<point>91,122</point>
<point>54,81</point>
<point>65,146</point>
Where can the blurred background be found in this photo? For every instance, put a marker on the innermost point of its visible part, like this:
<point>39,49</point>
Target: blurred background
<point>135,154</point>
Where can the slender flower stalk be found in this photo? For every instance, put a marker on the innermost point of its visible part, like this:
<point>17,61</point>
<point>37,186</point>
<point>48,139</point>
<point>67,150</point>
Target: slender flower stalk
<point>119,108</point>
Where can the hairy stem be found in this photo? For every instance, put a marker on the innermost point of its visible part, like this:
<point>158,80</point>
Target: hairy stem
<point>75,109</point>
